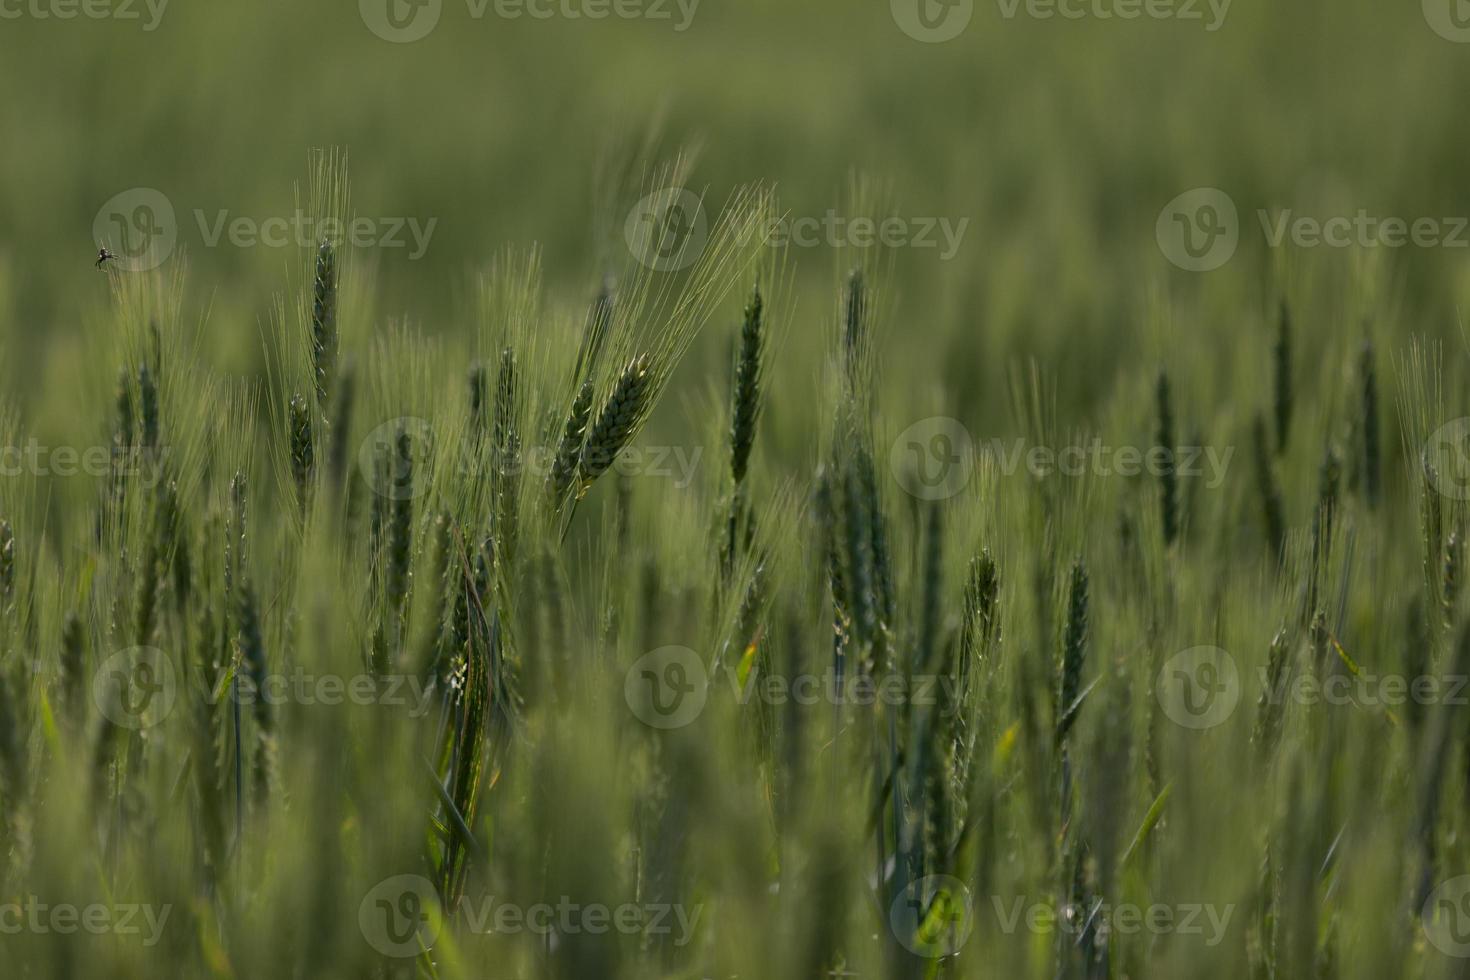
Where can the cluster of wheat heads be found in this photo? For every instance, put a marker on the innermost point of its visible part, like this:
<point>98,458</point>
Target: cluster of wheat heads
<point>345,672</point>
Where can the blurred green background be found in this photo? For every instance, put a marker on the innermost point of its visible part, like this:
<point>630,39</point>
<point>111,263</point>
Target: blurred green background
<point>1058,139</point>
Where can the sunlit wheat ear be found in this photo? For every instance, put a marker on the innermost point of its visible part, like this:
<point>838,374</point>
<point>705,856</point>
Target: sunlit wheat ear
<point>303,449</point>
<point>1168,478</point>
<point>324,336</point>
<point>1281,377</point>
<point>616,423</point>
<point>569,449</point>
<point>746,397</point>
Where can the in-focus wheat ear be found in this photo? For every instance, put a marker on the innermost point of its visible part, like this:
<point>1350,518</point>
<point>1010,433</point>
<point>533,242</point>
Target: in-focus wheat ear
<point>616,422</point>
<point>303,451</point>
<point>324,338</point>
<point>746,397</point>
<point>569,449</point>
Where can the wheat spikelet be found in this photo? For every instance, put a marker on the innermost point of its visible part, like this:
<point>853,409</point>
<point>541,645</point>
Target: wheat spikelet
<point>619,418</point>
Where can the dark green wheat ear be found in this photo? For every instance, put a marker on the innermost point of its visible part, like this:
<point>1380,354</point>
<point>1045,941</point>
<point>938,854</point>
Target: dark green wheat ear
<point>1074,640</point>
<point>620,416</point>
<point>7,564</point>
<point>303,448</point>
<point>1368,426</point>
<point>746,397</point>
<point>324,337</point>
<point>569,449</point>
<point>148,399</point>
<point>479,406</point>
<point>1281,377</point>
<point>1273,520</point>
<point>1168,478</point>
